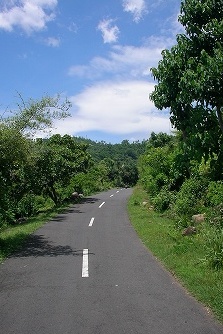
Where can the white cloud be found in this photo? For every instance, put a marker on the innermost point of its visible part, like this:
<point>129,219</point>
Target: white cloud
<point>73,27</point>
<point>125,61</point>
<point>121,108</point>
<point>136,7</point>
<point>109,31</point>
<point>53,41</point>
<point>119,104</point>
<point>29,15</point>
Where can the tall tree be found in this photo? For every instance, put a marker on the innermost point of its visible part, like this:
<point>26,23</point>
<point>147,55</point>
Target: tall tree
<point>16,148</point>
<point>190,80</point>
<point>14,152</point>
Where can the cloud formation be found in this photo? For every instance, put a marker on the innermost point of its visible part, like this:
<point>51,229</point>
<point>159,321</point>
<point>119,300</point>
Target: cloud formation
<point>136,7</point>
<point>121,108</point>
<point>120,103</point>
<point>109,31</point>
<point>53,41</point>
<point>126,61</point>
<point>29,15</point>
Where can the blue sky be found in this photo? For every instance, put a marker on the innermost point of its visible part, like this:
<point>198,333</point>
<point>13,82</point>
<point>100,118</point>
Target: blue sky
<point>97,53</point>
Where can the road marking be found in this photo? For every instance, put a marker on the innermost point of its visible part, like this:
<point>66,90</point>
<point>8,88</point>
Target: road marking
<point>91,221</point>
<point>117,191</point>
<point>111,195</point>
<point>101,205</point>
<point>85,272</point>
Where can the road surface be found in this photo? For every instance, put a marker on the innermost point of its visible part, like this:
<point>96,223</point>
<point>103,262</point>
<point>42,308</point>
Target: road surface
<point>87,272</point>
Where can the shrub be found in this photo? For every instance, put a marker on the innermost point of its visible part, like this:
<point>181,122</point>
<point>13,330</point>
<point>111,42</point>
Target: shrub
<point>215,193</point>
<point>190,197</point>
<point>215,216</point>
<point>149,184</point>
<point>27,206</point>
<point>163,200</point>
<point>214,246</point>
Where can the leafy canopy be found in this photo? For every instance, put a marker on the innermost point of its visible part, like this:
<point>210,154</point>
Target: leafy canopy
<point>190,80</point>
<point>37,115</point>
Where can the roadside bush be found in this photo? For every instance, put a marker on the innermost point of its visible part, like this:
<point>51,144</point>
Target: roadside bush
<point>215,216</point>
<point>215,193</point>
<point>190,198</point>
<point>154,169</point>
<point>150,185</point>
<point>27,206</point>
<point>163,200</point>
<point>6,209</point>
<point>90,182</point>
<point>214,246</point>
<point>6,217</point>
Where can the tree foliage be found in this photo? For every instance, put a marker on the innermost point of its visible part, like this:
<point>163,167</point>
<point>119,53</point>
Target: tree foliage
<point>190,80</point>
<point>17,151</point>
<point>56,161</point>
<point>37,115</point>
<point>36,171</point>
<point>14,154</point>
<point>117,162</point>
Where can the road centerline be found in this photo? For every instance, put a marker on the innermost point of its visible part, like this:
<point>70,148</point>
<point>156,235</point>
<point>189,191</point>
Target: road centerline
<point>85,271</point>
<point>101,205</point>
<point>91,222</point>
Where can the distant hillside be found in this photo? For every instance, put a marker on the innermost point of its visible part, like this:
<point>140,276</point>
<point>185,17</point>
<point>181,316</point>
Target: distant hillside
<point>125,150</point>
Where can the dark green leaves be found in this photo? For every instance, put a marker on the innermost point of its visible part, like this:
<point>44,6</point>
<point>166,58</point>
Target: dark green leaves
<point>190,81</point>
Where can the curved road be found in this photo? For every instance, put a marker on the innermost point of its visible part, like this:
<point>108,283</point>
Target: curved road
<point>87,272</point>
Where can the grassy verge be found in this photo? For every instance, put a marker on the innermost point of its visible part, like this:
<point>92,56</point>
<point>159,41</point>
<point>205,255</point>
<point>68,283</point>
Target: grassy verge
<point>13,237</point>
<point>184,257</point>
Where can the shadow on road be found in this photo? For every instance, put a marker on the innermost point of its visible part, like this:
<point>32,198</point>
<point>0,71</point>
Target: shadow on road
<point>90,200</point>
<point>74,209</point>
<point>37,245</point>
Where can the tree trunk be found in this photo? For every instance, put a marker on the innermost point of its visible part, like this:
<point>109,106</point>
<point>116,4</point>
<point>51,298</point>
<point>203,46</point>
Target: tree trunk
<point>220,120</point>
<point>52,194</point>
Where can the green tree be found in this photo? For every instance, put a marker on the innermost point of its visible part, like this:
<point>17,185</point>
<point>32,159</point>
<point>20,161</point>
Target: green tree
<point>159,140</point>
<point>55,162</point>
<point>17,150</point>
<point>154,168</point>
<point>128,173</point>
<point>14,154</point>
<point>190,80</point>
<point>37,115</point>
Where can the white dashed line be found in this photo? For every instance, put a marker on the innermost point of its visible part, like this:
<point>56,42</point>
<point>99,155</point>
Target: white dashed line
<point>111,195</point>
<point>91,221</point>
<point>101,205</point>
<point>85,272</point>
<point>117,191</point>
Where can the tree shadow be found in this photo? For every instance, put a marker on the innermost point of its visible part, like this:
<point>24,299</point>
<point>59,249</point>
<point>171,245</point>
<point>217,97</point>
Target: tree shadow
<point>38,245</point>
<point>90,200</point>
<point>63,215</point>
<point>20,246</point>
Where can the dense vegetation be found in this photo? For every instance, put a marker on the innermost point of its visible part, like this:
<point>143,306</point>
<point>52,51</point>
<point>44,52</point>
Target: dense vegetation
<point>180,188</point>
<point>36,174</point>
<point>183,174</point>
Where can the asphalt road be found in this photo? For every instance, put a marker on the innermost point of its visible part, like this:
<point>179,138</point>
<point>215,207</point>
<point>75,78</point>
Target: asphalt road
<point>86,272</point>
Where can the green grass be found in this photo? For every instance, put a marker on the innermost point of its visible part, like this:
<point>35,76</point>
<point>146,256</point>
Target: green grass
<point>184,257</point>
